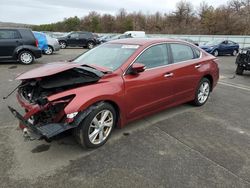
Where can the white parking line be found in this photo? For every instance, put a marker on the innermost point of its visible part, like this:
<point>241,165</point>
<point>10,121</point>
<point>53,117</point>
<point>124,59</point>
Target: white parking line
<point>235,86</point>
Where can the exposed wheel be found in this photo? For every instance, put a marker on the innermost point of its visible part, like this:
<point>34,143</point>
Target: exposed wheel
<point>25,57</point>
<point>49,50</point>
<point>62,44</point>
<point>234,53</point>
<point>90,45</point>
<point>202,92</point>
<point>96,128</point>
<point>215,53</point>
<point>239,70</point>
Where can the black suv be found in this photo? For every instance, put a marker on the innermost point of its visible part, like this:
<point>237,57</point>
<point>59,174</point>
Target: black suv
<point>18,45</point>
<point>79,38</point>
<point>243,61</point>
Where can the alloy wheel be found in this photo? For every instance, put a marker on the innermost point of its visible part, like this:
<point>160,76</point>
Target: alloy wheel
<point>26,58</point>
<point>100,127</point>
<point>203,93</point>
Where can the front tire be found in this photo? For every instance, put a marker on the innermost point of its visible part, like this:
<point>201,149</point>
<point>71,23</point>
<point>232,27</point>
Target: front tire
<point>96,128</point>
<point>26,57</point>
<point>49,50</point>
<point>239,70</point>
<point>216,53</point>
<point>202,93</point>
<point>63,44</point>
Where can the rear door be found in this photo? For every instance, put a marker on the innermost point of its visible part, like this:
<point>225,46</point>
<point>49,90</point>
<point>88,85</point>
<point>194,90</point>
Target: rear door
<point>9,40</point>
<point>83,39</point>
<point>186,69</point>
<point>151,89</point>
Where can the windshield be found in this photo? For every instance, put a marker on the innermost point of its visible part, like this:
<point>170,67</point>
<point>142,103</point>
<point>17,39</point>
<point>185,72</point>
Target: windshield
<point>213,42</point>
<point>109,56</point>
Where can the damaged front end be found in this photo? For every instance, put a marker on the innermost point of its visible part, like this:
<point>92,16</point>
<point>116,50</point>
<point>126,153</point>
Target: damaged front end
<point>44,119</point>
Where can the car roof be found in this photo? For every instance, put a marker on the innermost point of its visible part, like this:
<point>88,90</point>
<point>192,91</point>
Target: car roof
<point>143,41</point>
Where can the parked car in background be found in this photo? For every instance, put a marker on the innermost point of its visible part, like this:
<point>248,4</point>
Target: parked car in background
<point>243,61</point>
<point>78,38</point>
<point>191,41</point>
<point>18,45</point>
<point>42,40</point>
<point>221,47</point>
<point>111,85</point>
<point>105,38</point>
<point>53,45</point>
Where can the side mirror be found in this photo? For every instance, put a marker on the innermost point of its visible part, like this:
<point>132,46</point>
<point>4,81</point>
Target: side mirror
<point>69,37</point>
<point>137,68</point>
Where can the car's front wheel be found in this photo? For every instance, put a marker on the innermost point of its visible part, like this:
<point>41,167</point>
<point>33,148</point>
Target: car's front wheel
<point>63,44</point>
<point>49,50</point>
<point>96,128</point>
<point>26,57</point>
<point>202,93</point>
<point>215,53</point>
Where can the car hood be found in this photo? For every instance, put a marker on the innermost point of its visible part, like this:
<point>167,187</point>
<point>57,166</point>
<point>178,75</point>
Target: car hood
<point>55,68</point>
<point>207,47</point>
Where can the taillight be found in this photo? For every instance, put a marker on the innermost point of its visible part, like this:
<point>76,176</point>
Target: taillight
<point>36,43</point>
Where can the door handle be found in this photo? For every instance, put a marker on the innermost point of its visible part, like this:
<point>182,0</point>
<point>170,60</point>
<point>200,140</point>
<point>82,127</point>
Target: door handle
<point>197,66</point>
<point>168,75</point>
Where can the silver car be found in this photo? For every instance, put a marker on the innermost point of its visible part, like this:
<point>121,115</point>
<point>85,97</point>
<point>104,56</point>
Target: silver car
<point>53,45</point>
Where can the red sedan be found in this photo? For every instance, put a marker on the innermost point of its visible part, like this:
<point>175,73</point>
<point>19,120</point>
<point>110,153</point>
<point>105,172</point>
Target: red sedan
<point>111,85</point>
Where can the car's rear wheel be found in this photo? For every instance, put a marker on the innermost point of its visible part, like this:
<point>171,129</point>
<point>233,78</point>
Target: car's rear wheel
<point>239,70</point>
<point>96,128</point>
<point>202,93</point>
<point>215,53</point>
<point>26,57</point>
<point>63,44</point>
<point>49,50</point>
<point>90,45</point>
<point>234,53</point>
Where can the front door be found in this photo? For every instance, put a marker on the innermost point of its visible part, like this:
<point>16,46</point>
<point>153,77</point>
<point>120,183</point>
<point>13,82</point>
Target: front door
<point>151,89</point>
<point>9,40</point>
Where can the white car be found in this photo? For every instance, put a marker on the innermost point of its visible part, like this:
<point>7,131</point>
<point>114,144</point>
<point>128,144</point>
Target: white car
<point>53,45</point>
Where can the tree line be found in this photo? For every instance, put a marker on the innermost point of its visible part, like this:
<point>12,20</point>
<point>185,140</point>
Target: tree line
<point>233,18</point>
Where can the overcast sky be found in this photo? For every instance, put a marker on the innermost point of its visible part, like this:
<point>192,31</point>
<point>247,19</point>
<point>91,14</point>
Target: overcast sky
<point>47,11</point>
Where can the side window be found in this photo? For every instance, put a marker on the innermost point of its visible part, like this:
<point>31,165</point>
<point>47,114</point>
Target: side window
<point>74,35</point>
<point>83,35</point>
<point>9,34</point>
<point>197,52</point>
<point>155,56</point>
<point>181,52</point>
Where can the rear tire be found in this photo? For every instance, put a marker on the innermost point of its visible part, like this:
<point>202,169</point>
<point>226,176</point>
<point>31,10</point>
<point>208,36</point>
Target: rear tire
<point>94,132</point>
<point>26,57</point>
<point>239,70</point>
<point>234,53</point>
<point>202,92</point>
<point>90,45</point>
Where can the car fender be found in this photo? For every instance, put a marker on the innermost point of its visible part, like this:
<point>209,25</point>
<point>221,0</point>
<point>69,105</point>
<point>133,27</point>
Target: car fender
<point>23,47</point>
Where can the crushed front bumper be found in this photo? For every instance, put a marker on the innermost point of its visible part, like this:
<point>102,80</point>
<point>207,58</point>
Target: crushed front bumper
<point>41,132</point>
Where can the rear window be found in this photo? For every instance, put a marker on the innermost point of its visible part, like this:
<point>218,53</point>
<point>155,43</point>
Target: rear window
<point>9,34</point>
<point>181,52</point>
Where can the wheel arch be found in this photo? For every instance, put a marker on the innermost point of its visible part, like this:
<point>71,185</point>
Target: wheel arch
<point>210,78</point>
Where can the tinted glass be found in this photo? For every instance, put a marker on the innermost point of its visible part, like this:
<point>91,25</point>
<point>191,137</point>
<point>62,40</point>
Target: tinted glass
<point>109,56</point>
<point>197,52</point>
<point>181,52</point>
<point>154,56</point>
<point>83,35</point>
<point>9,34</point>
<point>74,35</point>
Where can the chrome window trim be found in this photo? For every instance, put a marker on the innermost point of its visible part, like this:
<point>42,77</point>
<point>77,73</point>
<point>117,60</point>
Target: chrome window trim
<point>172,42</point>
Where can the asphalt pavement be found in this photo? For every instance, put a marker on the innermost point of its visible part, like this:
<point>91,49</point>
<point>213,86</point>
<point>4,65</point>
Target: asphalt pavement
<point>184,146</point>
